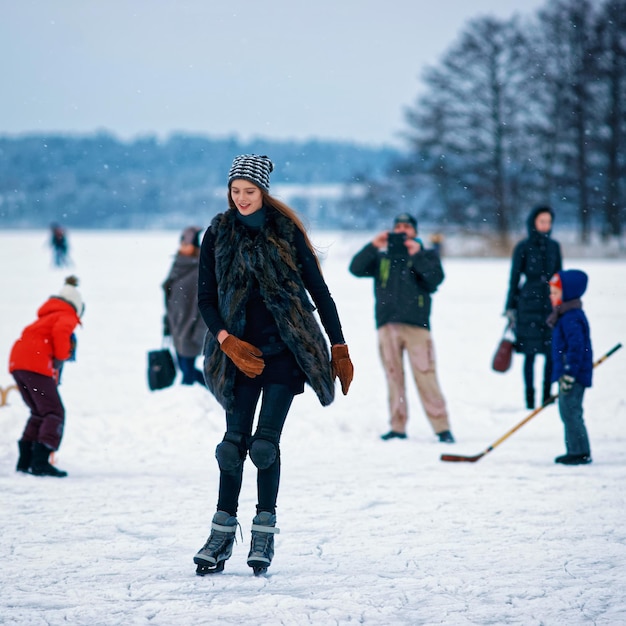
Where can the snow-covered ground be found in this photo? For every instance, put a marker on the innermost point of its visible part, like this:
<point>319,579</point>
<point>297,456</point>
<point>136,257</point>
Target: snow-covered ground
<point>372,532</point>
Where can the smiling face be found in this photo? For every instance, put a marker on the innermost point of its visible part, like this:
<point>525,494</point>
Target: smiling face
<point>248,198</point>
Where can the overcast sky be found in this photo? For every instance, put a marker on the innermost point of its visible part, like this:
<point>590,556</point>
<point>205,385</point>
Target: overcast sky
<point>329,69</point>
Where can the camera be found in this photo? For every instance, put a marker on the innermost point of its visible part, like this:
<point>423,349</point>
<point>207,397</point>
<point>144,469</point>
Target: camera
<point>395,244</point>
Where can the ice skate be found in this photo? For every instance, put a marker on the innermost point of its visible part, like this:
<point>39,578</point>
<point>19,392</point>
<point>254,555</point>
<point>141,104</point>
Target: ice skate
<point>262,543</point>
<point>218,548</point>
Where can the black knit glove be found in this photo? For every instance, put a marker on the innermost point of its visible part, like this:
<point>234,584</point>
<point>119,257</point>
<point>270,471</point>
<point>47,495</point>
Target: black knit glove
<point>73,343</point>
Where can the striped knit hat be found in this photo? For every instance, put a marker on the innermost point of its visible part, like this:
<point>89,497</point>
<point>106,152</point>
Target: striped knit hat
<point>252,167</point>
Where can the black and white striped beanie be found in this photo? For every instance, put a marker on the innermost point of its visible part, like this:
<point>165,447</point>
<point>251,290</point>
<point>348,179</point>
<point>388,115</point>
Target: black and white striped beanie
<point>252,167</point>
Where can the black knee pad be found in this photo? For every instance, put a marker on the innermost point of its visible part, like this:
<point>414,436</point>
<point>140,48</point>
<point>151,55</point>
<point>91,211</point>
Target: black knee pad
<point>231,452</point>
<point>263,453</point>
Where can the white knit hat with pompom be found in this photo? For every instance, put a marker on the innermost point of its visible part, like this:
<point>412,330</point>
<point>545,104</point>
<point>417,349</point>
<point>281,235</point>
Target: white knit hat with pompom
<point>70,294</point>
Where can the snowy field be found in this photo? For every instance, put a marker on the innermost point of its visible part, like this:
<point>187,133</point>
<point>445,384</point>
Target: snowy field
<point>372,532</point>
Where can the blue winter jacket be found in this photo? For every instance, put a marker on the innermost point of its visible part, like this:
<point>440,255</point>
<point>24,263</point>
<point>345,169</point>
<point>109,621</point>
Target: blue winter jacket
<point>571,339</point>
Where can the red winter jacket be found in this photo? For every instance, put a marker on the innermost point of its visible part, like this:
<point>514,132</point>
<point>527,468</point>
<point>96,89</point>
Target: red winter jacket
<point>46,340</point>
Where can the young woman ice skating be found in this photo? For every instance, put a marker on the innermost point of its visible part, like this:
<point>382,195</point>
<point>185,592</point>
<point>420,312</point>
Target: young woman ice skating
<point>257,265</point>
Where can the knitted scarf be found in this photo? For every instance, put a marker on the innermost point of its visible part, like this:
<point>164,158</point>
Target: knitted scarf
<point>558,310</point>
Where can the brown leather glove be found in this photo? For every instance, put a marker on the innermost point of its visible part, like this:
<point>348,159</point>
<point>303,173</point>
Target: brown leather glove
<point>244,355</point>
<point>342,366</point>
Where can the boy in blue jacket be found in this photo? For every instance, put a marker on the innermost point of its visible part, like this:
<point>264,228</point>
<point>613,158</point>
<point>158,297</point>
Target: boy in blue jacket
<point>572,360</point>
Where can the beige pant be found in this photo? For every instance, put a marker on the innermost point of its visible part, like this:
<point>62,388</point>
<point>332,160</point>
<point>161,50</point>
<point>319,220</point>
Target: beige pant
<point>393,341</point>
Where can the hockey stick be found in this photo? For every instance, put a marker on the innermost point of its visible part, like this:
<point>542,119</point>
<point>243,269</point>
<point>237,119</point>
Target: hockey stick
<point>4,392</point>
<point>458,458</point>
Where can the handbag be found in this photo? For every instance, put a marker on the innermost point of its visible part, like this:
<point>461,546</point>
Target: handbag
<point>161,369</point>
<point>504,353</point>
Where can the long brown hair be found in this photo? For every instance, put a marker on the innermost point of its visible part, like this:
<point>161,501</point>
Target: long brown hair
<point>288,212</point>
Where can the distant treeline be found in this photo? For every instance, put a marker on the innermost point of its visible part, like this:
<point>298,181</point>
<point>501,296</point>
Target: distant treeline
<point>517,113</point>
<point>98,181</point>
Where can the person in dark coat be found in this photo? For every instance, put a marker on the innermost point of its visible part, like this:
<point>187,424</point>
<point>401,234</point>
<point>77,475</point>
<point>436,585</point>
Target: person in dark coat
<point>35,362</point>
<point>535,260</point>
<point>59,245</point>
<point>404,280</point>
<point>573,360</point>
<point>257,267</point>
<point>182,316</point>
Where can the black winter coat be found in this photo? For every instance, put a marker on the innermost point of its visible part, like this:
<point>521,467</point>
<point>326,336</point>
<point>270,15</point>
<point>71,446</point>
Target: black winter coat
<point>402,285</point>
<point>535,260</point>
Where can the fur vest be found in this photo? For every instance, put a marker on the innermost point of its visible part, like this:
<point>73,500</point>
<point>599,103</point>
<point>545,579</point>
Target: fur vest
<point>270,257</point>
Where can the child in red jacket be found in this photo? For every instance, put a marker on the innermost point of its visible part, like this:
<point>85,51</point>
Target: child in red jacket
<point>35,362</point>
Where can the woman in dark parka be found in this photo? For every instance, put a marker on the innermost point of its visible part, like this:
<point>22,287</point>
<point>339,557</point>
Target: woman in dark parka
<point>183,321</point>
<point>535,260</point>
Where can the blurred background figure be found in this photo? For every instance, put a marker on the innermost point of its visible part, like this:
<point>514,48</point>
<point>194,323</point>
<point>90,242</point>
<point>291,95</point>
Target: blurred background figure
<point>535,260</point>
<point>36,362</point>
<point>436,242</point>
<point>59,245</point>
<point>405,277</point>
<point>182,318</point>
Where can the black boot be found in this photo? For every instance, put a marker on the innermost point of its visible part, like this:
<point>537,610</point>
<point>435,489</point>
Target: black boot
<point>446,437</point>
<point>547,388</point>
<point>40,465</point>
<point>530,398</point>
<point>26,455</point>
<point>573,459</point>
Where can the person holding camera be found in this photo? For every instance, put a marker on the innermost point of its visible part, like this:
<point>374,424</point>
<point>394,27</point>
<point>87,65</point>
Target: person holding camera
<point>405,275</point>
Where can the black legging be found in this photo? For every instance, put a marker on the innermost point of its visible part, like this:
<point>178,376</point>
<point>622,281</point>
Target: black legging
<point>529,369</point>
<point>275,405</point>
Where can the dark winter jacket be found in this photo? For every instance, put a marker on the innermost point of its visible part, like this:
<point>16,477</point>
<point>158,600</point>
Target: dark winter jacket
<point>46,343</point>
<point>571,337</point>
<point>402,285</point>
<point>535,259</point>
<point>254,283</point>
<point>181,306</point>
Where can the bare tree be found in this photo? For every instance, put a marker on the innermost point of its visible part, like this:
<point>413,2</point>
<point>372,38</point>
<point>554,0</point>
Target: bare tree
<point>463,130</point>
<point>571,24</point>
<point>611,59</point>
<point>543,131</point>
